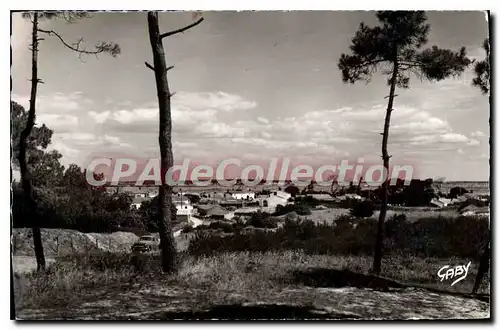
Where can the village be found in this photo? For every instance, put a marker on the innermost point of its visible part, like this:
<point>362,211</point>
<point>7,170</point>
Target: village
<point>213,205</point>
<point>195,205</point>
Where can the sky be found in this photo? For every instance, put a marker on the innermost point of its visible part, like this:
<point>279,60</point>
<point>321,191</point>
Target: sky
<point>254,85</point>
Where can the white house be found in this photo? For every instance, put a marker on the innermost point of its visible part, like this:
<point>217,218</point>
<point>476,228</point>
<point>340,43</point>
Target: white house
<point>184,211</point>
<point>180,200</point>
<point>243,195</point>
<point>269,203</point>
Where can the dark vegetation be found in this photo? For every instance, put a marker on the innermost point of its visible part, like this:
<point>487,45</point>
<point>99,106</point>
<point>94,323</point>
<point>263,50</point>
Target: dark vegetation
<point>362,209</point>
<point>64,197</point>
<point>439,237</point>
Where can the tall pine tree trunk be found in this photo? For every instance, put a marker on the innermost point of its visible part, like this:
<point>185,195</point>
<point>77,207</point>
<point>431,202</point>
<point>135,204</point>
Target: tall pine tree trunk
<point>26,176</point>
<point>167,243</point>
<point>379,242</point>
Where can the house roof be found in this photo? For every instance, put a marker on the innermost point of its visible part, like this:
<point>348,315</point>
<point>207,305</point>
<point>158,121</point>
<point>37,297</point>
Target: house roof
<point>247,210</point>
<point>205,207</point>
<point>217,210</point>
<point>437,202</point>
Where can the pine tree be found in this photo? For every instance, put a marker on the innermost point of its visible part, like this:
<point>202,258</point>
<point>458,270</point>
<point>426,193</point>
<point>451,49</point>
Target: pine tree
<point>394,48</point>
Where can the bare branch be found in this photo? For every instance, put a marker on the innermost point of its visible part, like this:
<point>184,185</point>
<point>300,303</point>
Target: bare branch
<point>101,47</point>
<point>39,81</point>
<point>149,66</point>
<point>171,33</point>
<point>170,67</point>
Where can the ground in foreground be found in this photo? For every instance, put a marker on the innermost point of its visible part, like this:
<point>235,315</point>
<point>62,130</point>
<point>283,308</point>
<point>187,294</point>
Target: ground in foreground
<point>285,285</point>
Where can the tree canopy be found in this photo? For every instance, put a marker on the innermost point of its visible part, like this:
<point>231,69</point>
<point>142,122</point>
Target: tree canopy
<point>399,39</point>
<point>44,164</point>
<point>482,70</point>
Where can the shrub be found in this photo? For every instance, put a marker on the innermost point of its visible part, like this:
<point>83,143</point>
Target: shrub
<point>187,229</point>
<point>441,237</point>
<point>226,227</point>
<point>362,209</point>
<point>299,208</point>
<point>261,220</point>
<point>238,224</point>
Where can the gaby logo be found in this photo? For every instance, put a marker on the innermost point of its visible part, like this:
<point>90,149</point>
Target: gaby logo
<point>448,272</point>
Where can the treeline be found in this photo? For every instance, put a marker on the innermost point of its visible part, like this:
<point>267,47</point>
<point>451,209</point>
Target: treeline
<point>75,204</point>
<point>64,197</point>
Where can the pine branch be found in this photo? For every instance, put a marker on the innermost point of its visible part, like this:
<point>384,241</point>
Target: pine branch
<point>171,33</point>
<point>102,47</point>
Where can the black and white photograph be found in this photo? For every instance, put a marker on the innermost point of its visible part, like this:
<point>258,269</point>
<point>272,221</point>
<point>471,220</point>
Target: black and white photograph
<point>186,165</point>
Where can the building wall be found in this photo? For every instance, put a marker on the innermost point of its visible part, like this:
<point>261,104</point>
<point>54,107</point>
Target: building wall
<point>270,203</point>
<point>250,195</point>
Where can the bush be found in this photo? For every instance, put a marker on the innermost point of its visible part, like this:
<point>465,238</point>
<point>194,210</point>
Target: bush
<point>299,208</point>
<point>428,237</point>
<point>362,209</point>
<point>187,229</point>
<point>261,220</point>
<point>226,227</point>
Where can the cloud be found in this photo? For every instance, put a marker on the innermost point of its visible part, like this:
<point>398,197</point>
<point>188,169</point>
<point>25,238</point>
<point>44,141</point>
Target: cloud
<point>203,125</point>
<point>473,142</point>
<point>263,120</point>
<point>57,103</point>
<point>99,117</point>
<point>194,115</point>
<point>453,137</point>
<point>83,140</point>
<point>77,136</point>
<point>70,155</point>
<point>208,100</point>
<point>441,138</point>
<point>477,134</point>
<point>187,108</point>
<point>59,123</point>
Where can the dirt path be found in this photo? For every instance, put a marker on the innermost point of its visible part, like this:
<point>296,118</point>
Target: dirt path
<point>167,302</point>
